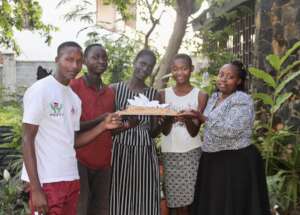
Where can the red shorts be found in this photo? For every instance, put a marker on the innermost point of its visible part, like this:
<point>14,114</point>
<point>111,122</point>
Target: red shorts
<point>62,197</point>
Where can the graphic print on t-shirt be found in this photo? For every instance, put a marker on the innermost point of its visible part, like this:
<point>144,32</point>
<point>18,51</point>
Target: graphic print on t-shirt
<point>56,109</point>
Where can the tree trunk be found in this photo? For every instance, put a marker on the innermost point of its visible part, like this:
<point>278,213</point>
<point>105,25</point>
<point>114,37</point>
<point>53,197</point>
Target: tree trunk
<point>183,11</point>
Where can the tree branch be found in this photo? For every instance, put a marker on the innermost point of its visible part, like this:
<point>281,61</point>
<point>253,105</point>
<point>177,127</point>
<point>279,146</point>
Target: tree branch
<point>154,22</point>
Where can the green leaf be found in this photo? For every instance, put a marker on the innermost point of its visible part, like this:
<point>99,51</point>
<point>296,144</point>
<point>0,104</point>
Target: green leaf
<point>289,52</point>
<point>280,87</point>
<point>274,61</point>
<point>288,69</point>
<point>6,7</point>
<point>260,74</point>
<point>265,98</point>
<point>280,100</point>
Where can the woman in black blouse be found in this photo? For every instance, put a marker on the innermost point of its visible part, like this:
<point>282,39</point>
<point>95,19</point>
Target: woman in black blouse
<point>231,177</point>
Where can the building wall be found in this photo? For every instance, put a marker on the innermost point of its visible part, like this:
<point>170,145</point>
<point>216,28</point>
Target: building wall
<point>16,76</point>
<point>26,71</point>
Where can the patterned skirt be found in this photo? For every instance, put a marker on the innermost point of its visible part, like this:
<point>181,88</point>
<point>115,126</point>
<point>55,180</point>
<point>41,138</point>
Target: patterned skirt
<point>180,174</point>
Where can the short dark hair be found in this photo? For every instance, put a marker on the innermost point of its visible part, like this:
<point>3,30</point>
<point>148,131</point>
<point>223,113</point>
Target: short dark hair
<point>242,73</point>
<point>89,47</point>
<point>64,45</point>
<point>185,57</point>
<point>145,52</point>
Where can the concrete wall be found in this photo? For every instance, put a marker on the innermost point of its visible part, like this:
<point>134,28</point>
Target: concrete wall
<point>26,71</point>
<point>16,76</point>
<point>8,72</point>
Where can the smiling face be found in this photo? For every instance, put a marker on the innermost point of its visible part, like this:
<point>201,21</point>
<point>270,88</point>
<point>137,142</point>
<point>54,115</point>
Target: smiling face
<point>228,79</point>
<point>143,66</point>
<point>181,70</point>
<point>96,60</point>
<point>69,63</point>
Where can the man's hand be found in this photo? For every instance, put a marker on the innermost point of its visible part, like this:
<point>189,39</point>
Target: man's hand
<point>112,121</point>
<point>39,202</point>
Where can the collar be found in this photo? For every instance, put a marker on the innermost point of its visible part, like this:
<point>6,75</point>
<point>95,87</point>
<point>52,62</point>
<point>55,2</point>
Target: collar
<point>89,85</point>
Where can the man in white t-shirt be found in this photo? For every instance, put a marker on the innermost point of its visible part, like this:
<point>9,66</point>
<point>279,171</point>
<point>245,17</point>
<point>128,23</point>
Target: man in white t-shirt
<point>51,117</point>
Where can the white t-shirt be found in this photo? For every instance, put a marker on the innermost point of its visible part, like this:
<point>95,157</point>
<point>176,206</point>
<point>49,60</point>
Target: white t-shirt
<point>56,109</point>
<point>179,140</point>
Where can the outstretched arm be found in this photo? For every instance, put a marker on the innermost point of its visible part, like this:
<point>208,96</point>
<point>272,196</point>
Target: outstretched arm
<point>86,125</point>
<point>111,121</point>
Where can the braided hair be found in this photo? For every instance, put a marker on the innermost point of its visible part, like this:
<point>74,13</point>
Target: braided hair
<point>242,73</point>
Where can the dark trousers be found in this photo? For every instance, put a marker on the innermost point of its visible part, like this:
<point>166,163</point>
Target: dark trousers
<point>94,191</point>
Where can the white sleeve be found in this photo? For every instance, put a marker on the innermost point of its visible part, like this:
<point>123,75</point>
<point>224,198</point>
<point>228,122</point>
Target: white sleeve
<point>33,104</point>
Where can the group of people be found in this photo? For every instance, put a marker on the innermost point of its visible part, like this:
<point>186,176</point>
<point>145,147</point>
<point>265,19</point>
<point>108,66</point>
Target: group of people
<point>81,157</point>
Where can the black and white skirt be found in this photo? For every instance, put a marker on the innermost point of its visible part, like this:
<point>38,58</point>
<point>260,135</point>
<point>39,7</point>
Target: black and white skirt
<point>180,173</point>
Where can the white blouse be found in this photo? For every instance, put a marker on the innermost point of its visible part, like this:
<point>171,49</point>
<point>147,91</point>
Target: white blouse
<point>179,140</point>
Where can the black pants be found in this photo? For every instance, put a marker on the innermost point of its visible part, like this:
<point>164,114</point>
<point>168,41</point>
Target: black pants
<point>94,191</point>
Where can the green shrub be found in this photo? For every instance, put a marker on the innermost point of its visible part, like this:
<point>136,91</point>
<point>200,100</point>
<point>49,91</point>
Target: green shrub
<point>277,142</point>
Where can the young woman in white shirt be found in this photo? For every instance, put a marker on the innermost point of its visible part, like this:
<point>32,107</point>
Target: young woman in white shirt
<point>180,141</point>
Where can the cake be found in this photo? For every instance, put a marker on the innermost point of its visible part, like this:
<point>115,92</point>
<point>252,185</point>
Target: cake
<point>141,105</point>
<point>140,110</point>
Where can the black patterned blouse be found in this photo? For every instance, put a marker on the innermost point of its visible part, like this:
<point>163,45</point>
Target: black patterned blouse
<point>229,125</point>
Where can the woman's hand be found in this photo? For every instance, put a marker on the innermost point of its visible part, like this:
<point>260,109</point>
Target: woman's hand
<point>192,114</point>
<point>162,120</point>
<point>189,114</point>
